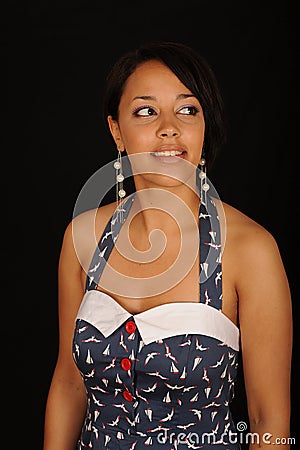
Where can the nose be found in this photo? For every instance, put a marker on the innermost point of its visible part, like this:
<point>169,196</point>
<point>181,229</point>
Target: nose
<point>169,132</point>
<point>168,129</point>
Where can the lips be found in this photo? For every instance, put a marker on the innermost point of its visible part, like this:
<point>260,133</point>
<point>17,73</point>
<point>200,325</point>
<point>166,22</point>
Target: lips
<point>169,154</point>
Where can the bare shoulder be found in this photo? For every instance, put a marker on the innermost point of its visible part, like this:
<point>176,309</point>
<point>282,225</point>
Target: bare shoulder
<point>84,231</point>
<point>245,236</point>
<point>97,217</point>
<point>252,256</point>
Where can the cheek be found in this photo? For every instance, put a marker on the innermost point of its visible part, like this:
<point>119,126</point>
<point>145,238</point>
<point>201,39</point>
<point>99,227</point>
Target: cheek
<point>195,137</point>
<point>135,140</point>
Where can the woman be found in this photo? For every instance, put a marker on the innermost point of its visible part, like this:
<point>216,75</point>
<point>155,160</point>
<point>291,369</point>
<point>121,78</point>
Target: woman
<point>148,355</point>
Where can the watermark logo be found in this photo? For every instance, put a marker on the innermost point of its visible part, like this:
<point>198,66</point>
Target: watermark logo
<point>239,436</point>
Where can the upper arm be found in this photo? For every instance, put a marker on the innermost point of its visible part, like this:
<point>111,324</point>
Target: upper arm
<point>70,293</point>
<point>265,325</point>
<point>79,243</point>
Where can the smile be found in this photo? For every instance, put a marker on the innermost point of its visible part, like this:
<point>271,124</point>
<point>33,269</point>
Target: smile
<point>169,156</point>
<point>167,153</point>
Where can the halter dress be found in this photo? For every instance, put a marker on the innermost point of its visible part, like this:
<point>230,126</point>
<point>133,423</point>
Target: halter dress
<point>163,378</point>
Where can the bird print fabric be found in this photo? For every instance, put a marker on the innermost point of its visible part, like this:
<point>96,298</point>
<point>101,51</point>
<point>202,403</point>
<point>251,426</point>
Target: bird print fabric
<point>151,382</point>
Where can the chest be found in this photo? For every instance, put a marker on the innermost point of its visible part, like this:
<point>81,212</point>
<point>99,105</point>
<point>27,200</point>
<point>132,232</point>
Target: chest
<point>151,281</point>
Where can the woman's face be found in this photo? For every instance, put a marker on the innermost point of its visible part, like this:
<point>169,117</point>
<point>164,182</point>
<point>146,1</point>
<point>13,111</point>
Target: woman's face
<point>158,116</point>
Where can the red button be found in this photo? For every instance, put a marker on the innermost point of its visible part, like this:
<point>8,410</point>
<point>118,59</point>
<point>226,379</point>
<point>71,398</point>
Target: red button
<point>125,363</point>
<point>127,396</point>
<point>130,326</point>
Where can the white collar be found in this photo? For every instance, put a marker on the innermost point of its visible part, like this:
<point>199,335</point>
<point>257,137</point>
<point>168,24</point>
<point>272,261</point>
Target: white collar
<point>106,314</point>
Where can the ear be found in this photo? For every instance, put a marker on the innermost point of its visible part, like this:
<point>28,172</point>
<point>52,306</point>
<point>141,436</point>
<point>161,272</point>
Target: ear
<point>115,132</point>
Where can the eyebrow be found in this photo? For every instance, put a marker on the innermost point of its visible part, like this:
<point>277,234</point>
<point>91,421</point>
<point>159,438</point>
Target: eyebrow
<point>151,97</point>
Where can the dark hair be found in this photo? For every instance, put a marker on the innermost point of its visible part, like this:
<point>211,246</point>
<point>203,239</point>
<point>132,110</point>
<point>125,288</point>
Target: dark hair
<point>191,69</point>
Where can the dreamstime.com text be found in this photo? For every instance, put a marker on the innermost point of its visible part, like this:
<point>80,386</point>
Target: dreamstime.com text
<point>238,437</point>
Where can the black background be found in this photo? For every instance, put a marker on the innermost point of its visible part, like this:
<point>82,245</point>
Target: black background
<point>60,55</point>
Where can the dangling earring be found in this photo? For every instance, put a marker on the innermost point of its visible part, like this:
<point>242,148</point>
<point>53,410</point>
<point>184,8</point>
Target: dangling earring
<point>204,186</point>
<point>120,193</point>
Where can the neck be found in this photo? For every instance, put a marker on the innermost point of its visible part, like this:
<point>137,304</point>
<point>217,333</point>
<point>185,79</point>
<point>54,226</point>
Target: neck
<point>167,208</point>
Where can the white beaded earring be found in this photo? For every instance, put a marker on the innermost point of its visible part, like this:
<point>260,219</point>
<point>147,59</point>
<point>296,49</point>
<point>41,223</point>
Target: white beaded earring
<point>120,192</point>
<point>204,186</point>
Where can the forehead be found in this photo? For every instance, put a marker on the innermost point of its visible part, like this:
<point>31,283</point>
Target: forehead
<point>153,77</point>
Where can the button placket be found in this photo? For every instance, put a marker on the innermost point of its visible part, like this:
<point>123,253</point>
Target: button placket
<point>126,363</point>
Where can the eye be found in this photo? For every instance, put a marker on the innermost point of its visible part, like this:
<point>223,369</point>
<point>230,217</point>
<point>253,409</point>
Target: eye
<point>144,111</point>
<point>190,110</point>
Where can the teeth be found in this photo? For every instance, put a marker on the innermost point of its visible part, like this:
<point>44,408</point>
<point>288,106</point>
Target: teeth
<point>168,153</point>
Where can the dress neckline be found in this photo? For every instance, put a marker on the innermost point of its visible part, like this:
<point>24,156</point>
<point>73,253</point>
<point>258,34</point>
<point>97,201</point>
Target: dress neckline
<point>107,315</point>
